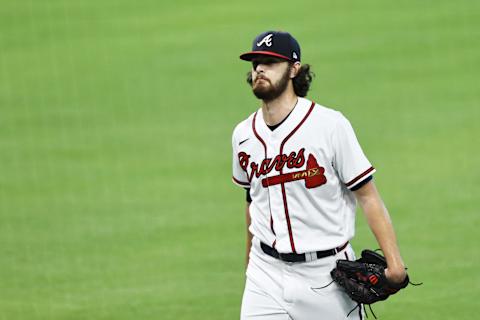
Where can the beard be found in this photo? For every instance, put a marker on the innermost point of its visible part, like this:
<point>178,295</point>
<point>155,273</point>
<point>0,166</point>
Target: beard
<point>268,91</point>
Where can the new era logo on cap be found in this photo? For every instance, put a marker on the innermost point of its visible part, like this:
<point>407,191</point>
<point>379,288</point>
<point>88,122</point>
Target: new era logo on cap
<point>274,43</point>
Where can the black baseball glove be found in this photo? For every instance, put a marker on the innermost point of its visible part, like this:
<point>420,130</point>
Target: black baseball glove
<point>364,279</point>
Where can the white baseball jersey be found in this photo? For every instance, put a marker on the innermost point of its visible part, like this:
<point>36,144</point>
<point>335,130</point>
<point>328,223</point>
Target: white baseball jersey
<point>300,176</point>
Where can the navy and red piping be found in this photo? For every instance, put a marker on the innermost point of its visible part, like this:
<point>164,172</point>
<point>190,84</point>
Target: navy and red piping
<point>240,182</point>
<point>360,176</point>
<point>284,195</point>
<point>264,148</point>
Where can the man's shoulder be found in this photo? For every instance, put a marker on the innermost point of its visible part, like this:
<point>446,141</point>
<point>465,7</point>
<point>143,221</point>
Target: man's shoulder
<point>327,113</point>
<point>326,116</point>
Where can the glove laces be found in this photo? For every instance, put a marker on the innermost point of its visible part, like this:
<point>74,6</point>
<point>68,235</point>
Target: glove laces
<point>360,305</point>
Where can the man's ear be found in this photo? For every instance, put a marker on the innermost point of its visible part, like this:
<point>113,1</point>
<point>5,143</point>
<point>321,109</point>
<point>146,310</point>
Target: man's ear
<point>294,70</point>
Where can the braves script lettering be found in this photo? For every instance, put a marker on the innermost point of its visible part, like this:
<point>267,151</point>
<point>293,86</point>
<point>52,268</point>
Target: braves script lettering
<point>293,160</point>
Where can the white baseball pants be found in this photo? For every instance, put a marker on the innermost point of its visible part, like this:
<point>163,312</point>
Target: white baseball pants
<point>277,290</point>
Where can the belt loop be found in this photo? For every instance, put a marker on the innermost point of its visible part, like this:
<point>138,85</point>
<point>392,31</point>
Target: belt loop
<point>310,256</point>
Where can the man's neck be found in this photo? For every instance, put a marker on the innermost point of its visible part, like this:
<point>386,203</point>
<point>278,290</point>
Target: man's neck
<point>275,111</point>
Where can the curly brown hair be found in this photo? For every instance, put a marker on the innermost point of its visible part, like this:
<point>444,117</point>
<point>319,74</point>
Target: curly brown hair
<point>301,82</point>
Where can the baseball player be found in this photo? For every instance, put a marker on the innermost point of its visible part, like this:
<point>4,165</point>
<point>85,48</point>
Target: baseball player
<point>304,171</point>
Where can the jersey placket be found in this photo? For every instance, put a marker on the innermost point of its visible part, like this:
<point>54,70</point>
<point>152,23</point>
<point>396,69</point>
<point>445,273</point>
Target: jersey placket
<point>278,198</point>
<point>268,151</point>
<point>274,222</point>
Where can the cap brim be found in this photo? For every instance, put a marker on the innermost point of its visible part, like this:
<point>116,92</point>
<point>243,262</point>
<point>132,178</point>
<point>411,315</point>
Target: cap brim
<point>248,56</point>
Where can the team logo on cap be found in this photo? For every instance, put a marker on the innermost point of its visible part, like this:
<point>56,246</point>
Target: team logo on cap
<point>294,55</point>
<point>267,40</point>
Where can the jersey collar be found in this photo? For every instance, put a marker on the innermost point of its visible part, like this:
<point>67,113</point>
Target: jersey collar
<point>296,115</point>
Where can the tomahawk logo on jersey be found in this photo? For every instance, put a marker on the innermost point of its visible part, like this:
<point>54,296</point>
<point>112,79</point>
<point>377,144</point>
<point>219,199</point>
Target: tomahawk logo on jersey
<point>300,176</point>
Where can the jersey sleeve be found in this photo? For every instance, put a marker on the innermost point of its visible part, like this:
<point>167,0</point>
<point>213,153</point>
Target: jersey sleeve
<point>239,176</point>
<point>350,162</point>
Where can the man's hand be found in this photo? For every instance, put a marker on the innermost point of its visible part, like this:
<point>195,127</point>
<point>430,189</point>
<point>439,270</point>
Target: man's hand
<point>366,281</point>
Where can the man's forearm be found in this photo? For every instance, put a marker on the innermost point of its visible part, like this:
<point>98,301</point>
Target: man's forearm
<point>379,222</point>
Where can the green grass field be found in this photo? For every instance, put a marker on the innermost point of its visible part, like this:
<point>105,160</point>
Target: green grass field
<point>115,128</point>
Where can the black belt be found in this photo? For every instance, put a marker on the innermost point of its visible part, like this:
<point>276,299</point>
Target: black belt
<point>300,257</point>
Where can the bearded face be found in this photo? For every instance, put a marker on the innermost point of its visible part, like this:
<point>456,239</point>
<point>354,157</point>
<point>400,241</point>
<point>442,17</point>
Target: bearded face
<point>270,78</point>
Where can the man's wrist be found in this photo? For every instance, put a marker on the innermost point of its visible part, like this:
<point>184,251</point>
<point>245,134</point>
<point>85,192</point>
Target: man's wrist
<point>396,274</point>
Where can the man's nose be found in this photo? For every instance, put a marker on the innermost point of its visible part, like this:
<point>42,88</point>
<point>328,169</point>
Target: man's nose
<point>260,68</point>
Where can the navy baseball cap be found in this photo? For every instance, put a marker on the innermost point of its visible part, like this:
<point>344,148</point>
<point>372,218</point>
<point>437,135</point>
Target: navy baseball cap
<point>276,44</point>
